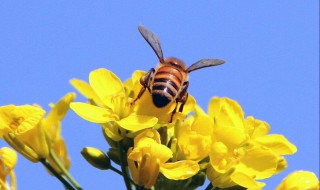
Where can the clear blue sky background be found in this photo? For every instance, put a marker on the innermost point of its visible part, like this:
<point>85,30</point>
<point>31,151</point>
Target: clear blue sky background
<point>271,49</point>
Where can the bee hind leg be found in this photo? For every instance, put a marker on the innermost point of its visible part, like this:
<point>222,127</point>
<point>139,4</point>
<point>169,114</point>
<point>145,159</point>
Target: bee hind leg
<point>182,98</point>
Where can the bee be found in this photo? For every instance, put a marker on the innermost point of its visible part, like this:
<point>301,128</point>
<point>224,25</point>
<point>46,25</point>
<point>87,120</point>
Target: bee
<point>168,82</point>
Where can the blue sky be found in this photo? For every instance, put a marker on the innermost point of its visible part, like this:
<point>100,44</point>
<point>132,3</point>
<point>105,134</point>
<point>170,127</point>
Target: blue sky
<point>272,70</point>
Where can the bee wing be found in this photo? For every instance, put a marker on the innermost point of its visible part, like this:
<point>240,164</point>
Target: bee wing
<point>204,63</point>
<point>152,40</point>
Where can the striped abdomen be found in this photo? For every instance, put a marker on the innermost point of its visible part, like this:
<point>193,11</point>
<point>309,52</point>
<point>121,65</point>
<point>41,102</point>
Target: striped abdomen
<point>166,85</point>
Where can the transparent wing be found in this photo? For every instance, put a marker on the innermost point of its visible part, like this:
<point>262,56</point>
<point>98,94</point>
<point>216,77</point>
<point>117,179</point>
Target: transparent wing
<point>205,63</point>
<point>152,40</point>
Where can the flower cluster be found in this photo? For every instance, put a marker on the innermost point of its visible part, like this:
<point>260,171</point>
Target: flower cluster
<point>153,149</point>
<point>223,145</point>
<point>36,137</point>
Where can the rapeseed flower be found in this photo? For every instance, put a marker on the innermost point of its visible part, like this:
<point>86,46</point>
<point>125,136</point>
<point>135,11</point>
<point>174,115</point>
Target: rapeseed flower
<point>194,136</point>
<point>149,157</point>
<point>27,130</point>
<point>109,105</point>
<point>242,152</point>
<point>20,127</point>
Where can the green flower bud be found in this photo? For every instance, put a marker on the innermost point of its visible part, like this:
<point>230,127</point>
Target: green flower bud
<point>114,155</point>
<point>96,158</point>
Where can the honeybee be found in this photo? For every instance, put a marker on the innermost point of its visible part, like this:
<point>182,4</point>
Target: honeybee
<point>168,82</point>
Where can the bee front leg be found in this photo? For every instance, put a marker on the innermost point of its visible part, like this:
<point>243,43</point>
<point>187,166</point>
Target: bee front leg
<point>182,98</point>
<point>145,82</point>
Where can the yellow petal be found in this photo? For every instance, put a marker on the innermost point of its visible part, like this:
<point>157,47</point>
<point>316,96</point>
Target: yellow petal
<point>5,115</point>
<point>194,146</point>
<point>86,90</point>
<point>52,121</point>
<point>226,112</point>
<point>148,171</point>
<point>133,167</point>
<point>202,124</point>
<point>135,85</point>
<point>149,133</point>
<point>155,150</point>
<point>221,180</point>
<point>219,159</point>
<point>282,164</point>
<point>61,108</point>
<point>137,122</point>
<point>112,131</point>
<point>92,113</point>
<point>246,181</point>
<point>179,170</point>
<point>105,84</point>
<point>278,143</point>
<point>194,138</point>
<point>259,162</point>
<point>230,136</point>
<point>300,180</point>
<point>256,128</point>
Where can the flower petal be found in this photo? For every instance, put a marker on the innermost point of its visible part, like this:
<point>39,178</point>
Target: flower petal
<point>256,128</point>
<point>92,113</point>
<point>137,122</point>
<point>246,181</point>
<point>226,112</point>
<point>106,84</point>
<point>229,135</point>
<point>259,162</point>
<point>52,122</point>
<point>85,89</point>
<point>179,170</point>
<point>278,143</point>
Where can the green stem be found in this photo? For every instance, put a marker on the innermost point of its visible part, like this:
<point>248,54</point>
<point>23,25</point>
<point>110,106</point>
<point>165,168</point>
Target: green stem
<point>119,172</point>
<point>116,170</point>
<point>64,171</point>
<point>55,173</point>
<point>123,167</point>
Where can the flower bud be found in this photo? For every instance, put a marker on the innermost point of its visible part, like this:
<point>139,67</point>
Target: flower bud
<point>114,155</point>
<point>96,158</point>
<point>8,157</point>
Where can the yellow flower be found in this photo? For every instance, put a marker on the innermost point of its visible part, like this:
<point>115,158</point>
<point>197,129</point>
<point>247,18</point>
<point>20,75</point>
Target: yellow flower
<point>145,106</point>
<point>194,136</point>
<point>300,180</point>
<point>20,127</point>
<point>109,105</point>
<point>26,130</point>
<point>241,147</point>
<point>8,160</point>
<point>149,157</point>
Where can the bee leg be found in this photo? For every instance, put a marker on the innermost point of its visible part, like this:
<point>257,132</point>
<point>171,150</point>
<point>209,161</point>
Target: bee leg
<point>182,98</point>
<point>183,102</point>
<point>145,82</point>
<point>173,112</point>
